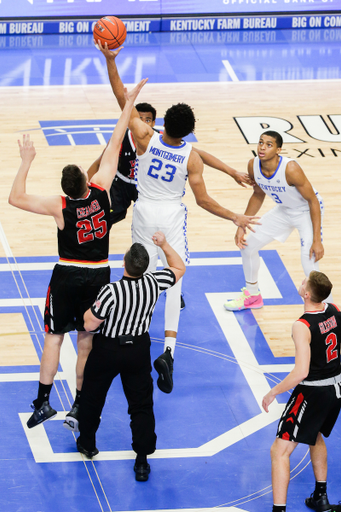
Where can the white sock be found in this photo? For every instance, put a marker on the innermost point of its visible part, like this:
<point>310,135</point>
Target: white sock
<point>252,288</point>
<point>170,342</point>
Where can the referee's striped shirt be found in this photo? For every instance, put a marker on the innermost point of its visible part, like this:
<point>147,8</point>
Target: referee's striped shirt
<point>128,304</point>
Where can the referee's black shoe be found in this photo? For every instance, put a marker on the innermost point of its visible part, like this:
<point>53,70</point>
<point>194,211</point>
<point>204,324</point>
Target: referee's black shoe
<point>88,453</point>
<point>164,366</point>
<point>321,505</point>
<point>142,469</point>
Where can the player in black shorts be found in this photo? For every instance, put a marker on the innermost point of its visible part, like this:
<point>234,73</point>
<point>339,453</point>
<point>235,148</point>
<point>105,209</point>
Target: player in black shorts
<point>82,219</point>
<point>315,403</point>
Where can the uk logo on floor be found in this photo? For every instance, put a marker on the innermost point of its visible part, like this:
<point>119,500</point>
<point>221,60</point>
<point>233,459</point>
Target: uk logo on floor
<point>86,132</point>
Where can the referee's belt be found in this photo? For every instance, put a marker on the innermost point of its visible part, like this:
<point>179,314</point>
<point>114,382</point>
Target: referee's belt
<point>323,382</point>
<point>125,178</point>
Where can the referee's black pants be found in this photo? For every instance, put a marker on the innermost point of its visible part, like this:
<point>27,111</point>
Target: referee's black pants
<point>106,360</point>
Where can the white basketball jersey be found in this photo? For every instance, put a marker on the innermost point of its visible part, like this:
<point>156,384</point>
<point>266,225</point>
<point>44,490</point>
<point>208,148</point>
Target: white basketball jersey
<point>277,186</point>
<point>161,172</point>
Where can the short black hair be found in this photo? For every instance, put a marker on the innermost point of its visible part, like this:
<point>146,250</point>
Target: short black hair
<point>136,260</point>
<point>146,107</point>
<point>73,181</point>
<point>319,286</point>
<point>275,135</point>
<point>179,120</point>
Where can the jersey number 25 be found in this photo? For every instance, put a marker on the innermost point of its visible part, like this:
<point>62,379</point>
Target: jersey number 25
<point>91,228</point>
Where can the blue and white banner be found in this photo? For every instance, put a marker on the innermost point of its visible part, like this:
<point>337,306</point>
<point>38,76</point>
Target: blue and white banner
<point>98,8</point>
<point>195,24</point>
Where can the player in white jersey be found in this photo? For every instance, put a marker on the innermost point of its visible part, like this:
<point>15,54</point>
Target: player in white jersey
<point>164,163</point>
<point>298,206</point>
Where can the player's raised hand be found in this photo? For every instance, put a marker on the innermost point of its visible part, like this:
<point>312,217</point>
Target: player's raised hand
<point>132,95</point>
<point>108,54</point>
<point>27,149</point>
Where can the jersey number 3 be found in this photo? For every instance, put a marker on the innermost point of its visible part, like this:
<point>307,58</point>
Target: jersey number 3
<point>89,229</point>
<point>154,170</point>
<point>331,341</point>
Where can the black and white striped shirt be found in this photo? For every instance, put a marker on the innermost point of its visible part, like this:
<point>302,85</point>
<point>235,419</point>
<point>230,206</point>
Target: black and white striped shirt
<point>128,304</point>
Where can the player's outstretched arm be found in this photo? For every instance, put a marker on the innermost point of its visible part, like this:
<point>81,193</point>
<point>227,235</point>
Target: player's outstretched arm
<point>302,337</point>
<point>44,205</point>
<point>141,132</point>
<point>114,77</point>
<point>197,184</point>
<point>95,165</point>
<point>242,179</point>
<point>254,204</point>
<point>108,164</point>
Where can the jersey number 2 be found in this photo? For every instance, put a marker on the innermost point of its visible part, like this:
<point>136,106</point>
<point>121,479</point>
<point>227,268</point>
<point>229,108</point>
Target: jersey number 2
<point>89,229</point>
<point>331,341</point>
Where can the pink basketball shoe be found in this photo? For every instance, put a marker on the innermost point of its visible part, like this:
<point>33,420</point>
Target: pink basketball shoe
<point>244,301</point>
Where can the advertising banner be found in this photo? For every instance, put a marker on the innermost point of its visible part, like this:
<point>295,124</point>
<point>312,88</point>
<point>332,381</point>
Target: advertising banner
<point>98,8</point>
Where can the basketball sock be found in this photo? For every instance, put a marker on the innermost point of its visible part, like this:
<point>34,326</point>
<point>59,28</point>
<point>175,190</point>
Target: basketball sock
<point>252,288</point>
<point>170,342</point>
<point>279,508</point>
<point>78,397</point>
<point>320,490</point>
<point>43,395</point>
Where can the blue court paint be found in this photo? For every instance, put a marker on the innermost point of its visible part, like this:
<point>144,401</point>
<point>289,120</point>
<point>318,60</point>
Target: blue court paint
<point>210,398</point>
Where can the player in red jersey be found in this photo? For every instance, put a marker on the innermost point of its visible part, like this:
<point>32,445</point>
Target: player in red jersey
<point>82,219</point>
<point>315,403</point>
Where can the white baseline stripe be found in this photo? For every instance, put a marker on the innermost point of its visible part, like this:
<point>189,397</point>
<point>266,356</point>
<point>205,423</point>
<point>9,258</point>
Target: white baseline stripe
<point>26,377</point>
<point>195,262</point>
<point>12,303</point>
<point>276,368</point>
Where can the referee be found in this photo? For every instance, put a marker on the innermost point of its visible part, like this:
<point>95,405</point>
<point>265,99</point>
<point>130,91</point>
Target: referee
<point>122,346</point>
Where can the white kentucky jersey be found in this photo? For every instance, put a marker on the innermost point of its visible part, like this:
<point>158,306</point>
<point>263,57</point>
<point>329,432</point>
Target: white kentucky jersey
<point>161,172</point>
<point>277,186</point>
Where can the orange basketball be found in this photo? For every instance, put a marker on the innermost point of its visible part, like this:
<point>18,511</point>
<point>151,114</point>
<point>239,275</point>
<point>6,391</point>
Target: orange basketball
<point>110,30</point>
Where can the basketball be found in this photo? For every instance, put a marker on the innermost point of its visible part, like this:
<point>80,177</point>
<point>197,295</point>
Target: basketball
<point>110,30</point>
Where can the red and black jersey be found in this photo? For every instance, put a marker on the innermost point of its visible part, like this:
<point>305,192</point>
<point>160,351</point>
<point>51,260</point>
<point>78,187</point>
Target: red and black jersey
<point>325,328</point>
<point>126,161</point>
<point>85,237</point>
